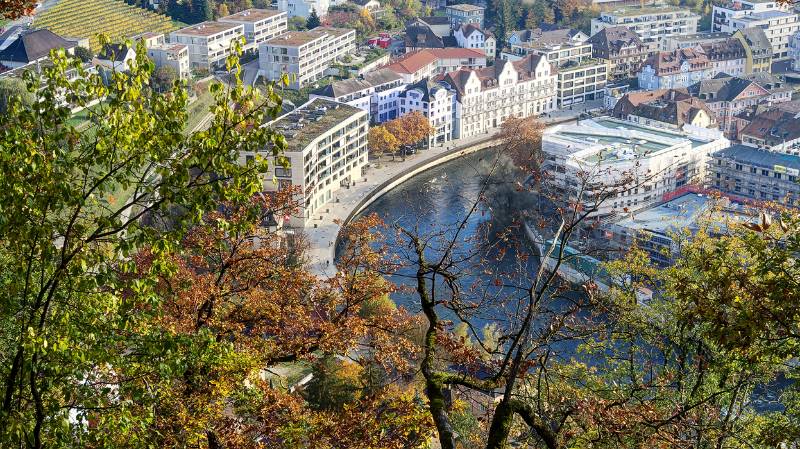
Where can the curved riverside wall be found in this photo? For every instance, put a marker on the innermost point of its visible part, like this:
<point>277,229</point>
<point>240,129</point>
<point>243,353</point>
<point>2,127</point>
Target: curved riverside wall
<point>398,179</point>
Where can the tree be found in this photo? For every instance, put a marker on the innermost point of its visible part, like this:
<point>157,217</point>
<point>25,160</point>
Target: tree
<point>504,21</point>
<point>65,234</point>
<point>14,9</point>
<point>381,141</point>
<point>201,11</point>
<point>222,10</point>
<point>297,23</point>
<point>14,90</point>
<point>313,20</point>
<point>410,129</point>
<point>164,77</point>
<point>84,54</point>
<point>335,383</point>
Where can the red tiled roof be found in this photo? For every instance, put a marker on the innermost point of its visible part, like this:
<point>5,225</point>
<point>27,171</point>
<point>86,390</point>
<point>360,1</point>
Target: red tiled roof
<point>413,62</point>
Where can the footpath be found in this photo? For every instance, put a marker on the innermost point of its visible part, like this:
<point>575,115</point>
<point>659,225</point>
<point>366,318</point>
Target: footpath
<point>323,230</point>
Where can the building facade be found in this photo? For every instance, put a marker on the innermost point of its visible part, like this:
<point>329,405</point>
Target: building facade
<point>304,55</point>
<point>259,24</point>
<point>727,56</point>
<point>757,48</point>
<point>621,49</point>
<point>724,12</point>
<point>303,8</point>
<point>327,150</point>
<point>779,27</point>
<point>754,174</point>
<point>651,23</point>
<point>679,68</point>
<point>429,62</point>
<point>376,92</point>
<point>463,14</point>
<point>486,97</point>
<point>435,102</point>
<point>665,108</point>
<point>471,36</point>
<point>629,165</point>
<point>209,42</point>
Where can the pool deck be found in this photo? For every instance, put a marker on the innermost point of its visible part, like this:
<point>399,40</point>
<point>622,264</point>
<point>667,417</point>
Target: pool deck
<point>323,230</point>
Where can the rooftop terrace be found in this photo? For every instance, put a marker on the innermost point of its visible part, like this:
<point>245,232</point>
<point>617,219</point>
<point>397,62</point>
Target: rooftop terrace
<point>311,120</point>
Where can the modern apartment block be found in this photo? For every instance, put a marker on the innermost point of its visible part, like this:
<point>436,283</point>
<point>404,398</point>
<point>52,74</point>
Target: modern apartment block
<point>435,102</point>
<point>651,23</point>
<point>303,8</point>
<point>779,27</point>
<point>749,173</point>
<point>486,97</point>
<point>209,42</point>
<point>304,55</point>
<point>634,165</point>
<point>725,11</point>
<point>259,24</point>
<point>463,14</point>
<point>376,92</point>
<point>327,150</point>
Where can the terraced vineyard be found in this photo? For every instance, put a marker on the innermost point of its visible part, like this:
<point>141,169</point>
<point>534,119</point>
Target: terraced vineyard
<point>88,18</point>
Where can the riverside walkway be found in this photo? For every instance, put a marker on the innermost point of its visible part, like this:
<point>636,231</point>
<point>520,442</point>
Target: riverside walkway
<point>323,230</point>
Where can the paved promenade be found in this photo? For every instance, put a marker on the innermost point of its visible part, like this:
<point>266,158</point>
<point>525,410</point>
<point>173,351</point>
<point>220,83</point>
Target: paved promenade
<point>322,238</point>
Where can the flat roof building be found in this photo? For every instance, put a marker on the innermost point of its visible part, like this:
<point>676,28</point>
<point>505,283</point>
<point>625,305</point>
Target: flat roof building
<point>259,24</point>
<point>209,42</point>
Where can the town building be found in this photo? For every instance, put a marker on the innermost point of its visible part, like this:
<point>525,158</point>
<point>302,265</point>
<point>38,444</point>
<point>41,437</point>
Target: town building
<point>614,92</point>
<point>33,47</point>
<point>749,173</point>
<point>436,61</point>
<point>581,80</point>
<point>304,55</point>
<point>435,102</point>
<point>621,49</point>
<point>259,24</point>
<point>326,150</point>
<point>779,27</point>
<point>472,36</point>
<point>524,42</point>
<point>757,48</point>
<point>727,96</point>
<point>723,12</point>
<point>692,40</point>
<point>671,69</point>
<point>209,42</point>
<point>303,8</point>
<point>773,130</point>
<point>376,92</point>
<point>116,57</point>
<point>163,53</point>
<point>665,108</point>
<point>418,37</point>
<point>727,56</point>
<point>463,14</point>
<point>651,23</point>
<point>439,25</point>
<point>610,166</point>
<point>486,97</point>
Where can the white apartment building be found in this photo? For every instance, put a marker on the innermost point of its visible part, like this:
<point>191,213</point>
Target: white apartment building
<point>486,97</point>
<point>327,150</point>
<point>794,51</point>
<point>304,55</point>
<point>779,27</point>
<point>435,102</point>
<point>303,8</point>
<point>259,24</point>
<point>209,42</point>
<point>472,36</point>
<point>651,23</point>
<point>171,55</point>
<point>724,11</point>
<point>376,92</point>
<point>635,165</point>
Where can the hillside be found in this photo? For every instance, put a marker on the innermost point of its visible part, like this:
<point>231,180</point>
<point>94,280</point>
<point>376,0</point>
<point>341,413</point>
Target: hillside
<point>88,18</point>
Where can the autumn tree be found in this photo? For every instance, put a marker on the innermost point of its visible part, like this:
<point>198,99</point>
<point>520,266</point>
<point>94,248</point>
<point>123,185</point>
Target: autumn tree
<point>381,141</point>
<point>410,129</point>
<point>72,204</point>
<point>14,9</point>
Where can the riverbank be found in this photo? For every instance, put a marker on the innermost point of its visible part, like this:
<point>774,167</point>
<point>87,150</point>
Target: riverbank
<point>323,231</point>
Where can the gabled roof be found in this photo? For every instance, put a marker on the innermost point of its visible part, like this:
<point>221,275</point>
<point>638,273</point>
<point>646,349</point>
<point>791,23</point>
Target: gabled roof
<point>469,28</point>
<point>673,106</point>
<point>114,52</point>
<point>525,67</point>
<point>423,37</point>
<point>368,80</point>
<point>613,39</point>
<point>669,62</point>
<point>426,86</point>
<point>721,88</point>
<point>412,62</point>
<point>757,39</point>
<point>33,46</point>
<point>431,20</point>
<point>723,50</point>
<point>774,127</point>
<point>759,158</point>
